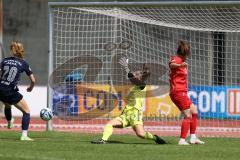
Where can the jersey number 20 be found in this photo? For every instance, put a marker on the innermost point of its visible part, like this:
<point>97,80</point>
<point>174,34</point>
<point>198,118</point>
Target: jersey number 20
<point>12,72</point>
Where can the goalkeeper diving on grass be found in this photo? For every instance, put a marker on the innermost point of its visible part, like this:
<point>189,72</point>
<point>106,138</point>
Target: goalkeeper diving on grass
<point>132,114</point>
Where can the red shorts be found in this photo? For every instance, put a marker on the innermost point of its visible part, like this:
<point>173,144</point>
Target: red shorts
<point>181,100</point>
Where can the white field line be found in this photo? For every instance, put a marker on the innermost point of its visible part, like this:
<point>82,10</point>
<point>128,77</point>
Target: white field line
<point>30,157</point>
<point>100,126</point>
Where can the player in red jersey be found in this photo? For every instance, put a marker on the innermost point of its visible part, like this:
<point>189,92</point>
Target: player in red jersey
<point>178,94</point>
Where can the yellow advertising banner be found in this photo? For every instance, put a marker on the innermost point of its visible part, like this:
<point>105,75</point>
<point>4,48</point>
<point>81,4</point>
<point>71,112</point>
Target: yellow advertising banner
<point>96,99</point>
<point>159,105</point>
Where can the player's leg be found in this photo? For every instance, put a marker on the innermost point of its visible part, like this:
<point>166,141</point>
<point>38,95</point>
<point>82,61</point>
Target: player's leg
<point>108,129</point>
<point>136,121</point>
<point>8,115</point>
<point>183,102</point>
<point>185,127</point>
<point>193,126</point>
<point>22,106</point>
<point>140,132</point>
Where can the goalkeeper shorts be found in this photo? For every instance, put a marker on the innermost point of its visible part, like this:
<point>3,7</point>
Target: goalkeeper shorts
<point>131,117</point>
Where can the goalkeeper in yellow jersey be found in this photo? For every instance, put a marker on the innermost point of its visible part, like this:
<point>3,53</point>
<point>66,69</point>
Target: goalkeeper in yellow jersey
<point>132,114</point>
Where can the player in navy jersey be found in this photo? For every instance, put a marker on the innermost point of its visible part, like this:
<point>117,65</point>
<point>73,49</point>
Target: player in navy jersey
<point>11,70</point>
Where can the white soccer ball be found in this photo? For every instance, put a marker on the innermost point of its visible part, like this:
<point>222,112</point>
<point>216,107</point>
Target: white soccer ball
<point>46,114</point>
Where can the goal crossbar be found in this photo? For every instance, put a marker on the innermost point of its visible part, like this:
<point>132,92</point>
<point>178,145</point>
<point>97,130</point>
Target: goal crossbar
<point>150,3</point>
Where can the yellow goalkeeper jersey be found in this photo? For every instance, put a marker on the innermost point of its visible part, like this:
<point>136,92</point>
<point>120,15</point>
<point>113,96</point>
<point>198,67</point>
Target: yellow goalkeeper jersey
<point>135,98</point>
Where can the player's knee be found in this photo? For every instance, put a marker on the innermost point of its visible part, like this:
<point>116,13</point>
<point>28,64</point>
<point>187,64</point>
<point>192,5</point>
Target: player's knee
<point>187,116</point>
<point>140,134</point>
<point>26,111</point>
<point>187,113</point>
<point>193,109</point>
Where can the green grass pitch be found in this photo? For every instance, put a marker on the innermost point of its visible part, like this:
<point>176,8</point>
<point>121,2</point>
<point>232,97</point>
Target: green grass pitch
<point>75,146</point>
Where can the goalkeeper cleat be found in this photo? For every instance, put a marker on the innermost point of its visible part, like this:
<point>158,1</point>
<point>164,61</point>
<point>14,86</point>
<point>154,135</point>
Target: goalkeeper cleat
<point>159,140</point>
<point>183,143</point>
<point>26,138</point>
<point>100,141</point>
<point>196,141</point>
<point>10,124</point>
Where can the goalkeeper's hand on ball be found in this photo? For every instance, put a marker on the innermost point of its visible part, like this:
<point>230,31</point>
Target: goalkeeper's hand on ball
<point>124,62</point>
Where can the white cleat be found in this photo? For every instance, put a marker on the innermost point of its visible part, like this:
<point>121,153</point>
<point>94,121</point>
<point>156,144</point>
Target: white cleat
<point>26,138</point>
<point>183,143</point>
<point>196,141</point>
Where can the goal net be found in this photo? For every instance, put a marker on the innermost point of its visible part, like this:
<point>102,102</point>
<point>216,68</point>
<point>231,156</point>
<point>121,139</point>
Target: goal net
<point>87,85</point>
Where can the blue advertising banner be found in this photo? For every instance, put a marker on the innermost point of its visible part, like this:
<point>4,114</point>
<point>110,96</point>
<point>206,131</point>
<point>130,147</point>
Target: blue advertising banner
<point>65,100</point>
<point>220,102</point>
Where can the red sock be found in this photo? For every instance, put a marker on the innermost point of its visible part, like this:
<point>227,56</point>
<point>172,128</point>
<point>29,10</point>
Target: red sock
<point>185,127</point>
<point>193,124</point>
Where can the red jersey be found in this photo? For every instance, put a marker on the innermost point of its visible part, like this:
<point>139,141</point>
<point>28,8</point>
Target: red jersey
<point>178,75</point>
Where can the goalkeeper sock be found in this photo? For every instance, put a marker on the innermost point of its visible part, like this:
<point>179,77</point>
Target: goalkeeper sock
<point>149,135</point>
<point>107,132</point>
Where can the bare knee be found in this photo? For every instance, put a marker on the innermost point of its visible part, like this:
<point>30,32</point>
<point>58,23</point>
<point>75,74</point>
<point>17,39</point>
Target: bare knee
<point>22,106</point>
<point>26,111</point>
<point>140,134</point>
<point>187,113</point>
<point>193,109</point>
<point>115,123</point>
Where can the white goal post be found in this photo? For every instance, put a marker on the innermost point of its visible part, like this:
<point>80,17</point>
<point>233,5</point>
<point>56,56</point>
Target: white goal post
<point>87,86</point>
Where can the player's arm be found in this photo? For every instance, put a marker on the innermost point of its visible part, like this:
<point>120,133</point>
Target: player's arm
<point>31,77</point>
<point>176,65</point>
<point>124,62</point>
<point>32,82</point>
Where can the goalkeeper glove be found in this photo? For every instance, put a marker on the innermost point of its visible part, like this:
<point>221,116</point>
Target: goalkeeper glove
<point>124,62</point>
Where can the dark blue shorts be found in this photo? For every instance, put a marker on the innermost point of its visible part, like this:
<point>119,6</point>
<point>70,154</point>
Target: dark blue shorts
<point>10,96</point>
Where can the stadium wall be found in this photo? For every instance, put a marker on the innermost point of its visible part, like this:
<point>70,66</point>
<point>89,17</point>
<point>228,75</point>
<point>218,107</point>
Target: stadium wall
<point>37,99</point>
<point>27,21</point>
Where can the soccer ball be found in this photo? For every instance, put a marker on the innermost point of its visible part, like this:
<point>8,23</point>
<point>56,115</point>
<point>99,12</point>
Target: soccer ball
<point>46,114</point>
